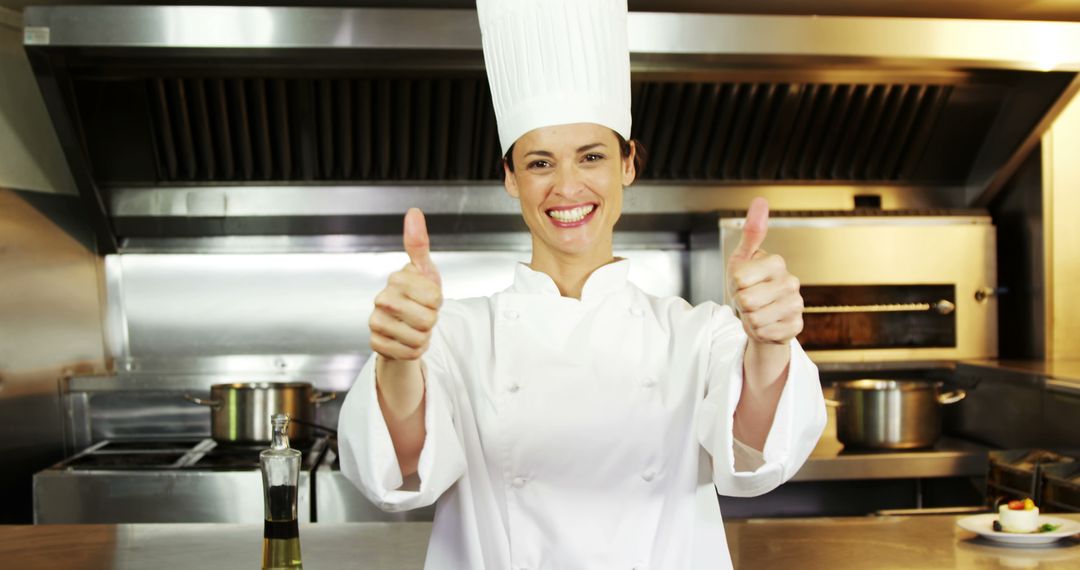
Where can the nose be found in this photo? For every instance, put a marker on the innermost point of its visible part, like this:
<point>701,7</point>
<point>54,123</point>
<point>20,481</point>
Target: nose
<point>568,182</point>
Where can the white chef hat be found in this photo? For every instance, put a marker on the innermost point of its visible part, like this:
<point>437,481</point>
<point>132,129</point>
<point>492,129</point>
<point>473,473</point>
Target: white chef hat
<point>556,62</point>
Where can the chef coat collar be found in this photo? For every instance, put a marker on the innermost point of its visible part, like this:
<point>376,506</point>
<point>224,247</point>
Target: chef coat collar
<point>605,280</point>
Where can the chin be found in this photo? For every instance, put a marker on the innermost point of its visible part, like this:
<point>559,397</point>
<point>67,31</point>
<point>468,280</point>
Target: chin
<point>575,244</point>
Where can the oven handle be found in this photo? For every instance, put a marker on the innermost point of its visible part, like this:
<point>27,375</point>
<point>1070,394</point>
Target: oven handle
<point>943,307</point>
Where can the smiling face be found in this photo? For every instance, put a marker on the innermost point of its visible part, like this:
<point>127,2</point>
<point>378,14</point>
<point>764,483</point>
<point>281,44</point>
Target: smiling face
<point>569,180</point>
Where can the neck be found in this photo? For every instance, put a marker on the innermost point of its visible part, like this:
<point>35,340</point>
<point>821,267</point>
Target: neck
<point>569,271</point>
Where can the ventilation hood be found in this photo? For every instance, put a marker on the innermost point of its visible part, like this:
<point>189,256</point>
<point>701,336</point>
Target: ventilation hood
<point>225,121</point>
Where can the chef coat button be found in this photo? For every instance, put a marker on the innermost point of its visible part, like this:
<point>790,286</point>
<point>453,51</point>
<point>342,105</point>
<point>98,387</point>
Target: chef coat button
<point>518,482</point>
<point>649,383</point>
<point>636,311</point>
<point>513,388</point>
<point>511,315</point>
<point>648,475</point>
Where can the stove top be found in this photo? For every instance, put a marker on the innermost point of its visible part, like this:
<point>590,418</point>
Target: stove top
<point>181,454</point>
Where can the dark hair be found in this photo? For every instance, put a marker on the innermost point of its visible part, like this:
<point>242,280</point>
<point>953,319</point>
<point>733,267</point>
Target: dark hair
<point>625,146</point>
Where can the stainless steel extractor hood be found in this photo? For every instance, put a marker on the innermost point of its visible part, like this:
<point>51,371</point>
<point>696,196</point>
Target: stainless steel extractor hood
<point>210,121</point>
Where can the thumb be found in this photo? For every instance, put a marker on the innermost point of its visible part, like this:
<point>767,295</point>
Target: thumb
<point>417,244</point>
<point>753,234</point>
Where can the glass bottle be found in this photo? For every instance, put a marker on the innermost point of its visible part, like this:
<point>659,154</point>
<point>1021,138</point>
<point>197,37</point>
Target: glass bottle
<point>280,473</point>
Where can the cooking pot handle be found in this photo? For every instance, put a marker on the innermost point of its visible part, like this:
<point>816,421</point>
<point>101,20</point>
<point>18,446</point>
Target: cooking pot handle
<point>322,397</point>
<point>951,397</point>
<point>211,403</point>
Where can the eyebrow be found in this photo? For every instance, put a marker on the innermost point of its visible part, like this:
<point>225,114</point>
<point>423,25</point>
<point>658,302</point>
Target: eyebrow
<point>548,154</point>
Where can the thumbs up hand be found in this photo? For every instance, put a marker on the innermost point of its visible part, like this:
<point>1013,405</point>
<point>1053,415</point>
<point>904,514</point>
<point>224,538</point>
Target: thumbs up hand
<point>407,309</point>
<point>766,296</point>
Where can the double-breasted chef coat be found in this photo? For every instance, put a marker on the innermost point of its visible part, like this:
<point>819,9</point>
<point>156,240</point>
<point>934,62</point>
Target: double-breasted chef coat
<point>592,433</point>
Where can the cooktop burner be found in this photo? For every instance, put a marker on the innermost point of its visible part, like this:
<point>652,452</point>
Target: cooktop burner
<point>186,454</point>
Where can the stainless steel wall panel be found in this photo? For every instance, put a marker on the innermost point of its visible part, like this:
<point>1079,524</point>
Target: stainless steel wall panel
<point>50,325</point>
<point>114,325</point>
<point>288,314</point>
<point>487,241</point>
<point>161,414</point>
<point>1003,408</point>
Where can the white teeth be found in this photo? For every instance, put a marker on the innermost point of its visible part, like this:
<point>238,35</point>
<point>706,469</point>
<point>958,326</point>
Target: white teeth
<point>573,214</point>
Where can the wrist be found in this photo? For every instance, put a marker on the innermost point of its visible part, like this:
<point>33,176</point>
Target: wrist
<point>765,363</point>
<point>768,350</point>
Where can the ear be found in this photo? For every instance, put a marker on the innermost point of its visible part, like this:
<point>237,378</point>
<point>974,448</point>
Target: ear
<point>629,172</point>
<point>510,182</point>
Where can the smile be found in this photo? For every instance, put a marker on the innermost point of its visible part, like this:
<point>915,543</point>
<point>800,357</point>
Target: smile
<point>571,216</point>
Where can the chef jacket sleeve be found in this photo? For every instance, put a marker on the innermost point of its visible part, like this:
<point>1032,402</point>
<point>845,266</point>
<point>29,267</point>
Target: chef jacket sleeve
<point>738,469</point>
<point>367,452</point>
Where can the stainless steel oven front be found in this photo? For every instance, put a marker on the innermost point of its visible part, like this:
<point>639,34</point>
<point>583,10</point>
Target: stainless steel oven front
<point>880,288</point>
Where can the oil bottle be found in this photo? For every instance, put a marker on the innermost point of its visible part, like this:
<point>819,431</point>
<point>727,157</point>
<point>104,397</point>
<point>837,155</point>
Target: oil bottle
<point>280,473</point>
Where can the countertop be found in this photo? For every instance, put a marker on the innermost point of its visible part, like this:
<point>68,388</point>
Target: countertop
<point>1066,371</point>
<point>863,543</point>
<point>949,457</point>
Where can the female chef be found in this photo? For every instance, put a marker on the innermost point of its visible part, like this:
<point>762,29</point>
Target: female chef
<point>574,421</point>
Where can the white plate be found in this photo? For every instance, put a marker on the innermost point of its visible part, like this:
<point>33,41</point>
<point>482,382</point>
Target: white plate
<point>983,525</point>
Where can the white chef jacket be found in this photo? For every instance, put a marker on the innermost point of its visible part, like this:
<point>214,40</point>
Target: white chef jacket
<point>566,433</point>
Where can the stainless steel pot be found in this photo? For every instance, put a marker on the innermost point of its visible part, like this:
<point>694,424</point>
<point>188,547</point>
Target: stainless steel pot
<point>240,413</point>
<point>890,414</point>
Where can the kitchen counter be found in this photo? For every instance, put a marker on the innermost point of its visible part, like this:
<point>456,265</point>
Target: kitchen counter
<point>893,543</point>
<point>1066,372</point>
<point>949,457</point>
<point>864,543</point>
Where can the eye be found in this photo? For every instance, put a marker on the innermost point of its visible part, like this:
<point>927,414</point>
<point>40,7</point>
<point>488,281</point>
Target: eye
<point>538,164</point>
<point>593,157</point>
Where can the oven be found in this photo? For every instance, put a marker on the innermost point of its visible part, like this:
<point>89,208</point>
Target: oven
<point>887,287</point>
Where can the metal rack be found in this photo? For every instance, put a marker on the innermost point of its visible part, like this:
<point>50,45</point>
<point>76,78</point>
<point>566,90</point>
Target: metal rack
<point>1018,474</point>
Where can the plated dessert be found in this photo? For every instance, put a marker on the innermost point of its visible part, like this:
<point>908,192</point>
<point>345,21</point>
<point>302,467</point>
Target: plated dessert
<point>1018,523</point>
<point>1021,517</point>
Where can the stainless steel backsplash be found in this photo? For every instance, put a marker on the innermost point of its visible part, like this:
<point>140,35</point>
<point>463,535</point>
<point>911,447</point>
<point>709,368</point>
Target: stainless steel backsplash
<point>287,315</point>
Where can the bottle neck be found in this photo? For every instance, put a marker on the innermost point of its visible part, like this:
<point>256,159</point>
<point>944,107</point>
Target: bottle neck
<point>280,439</point>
